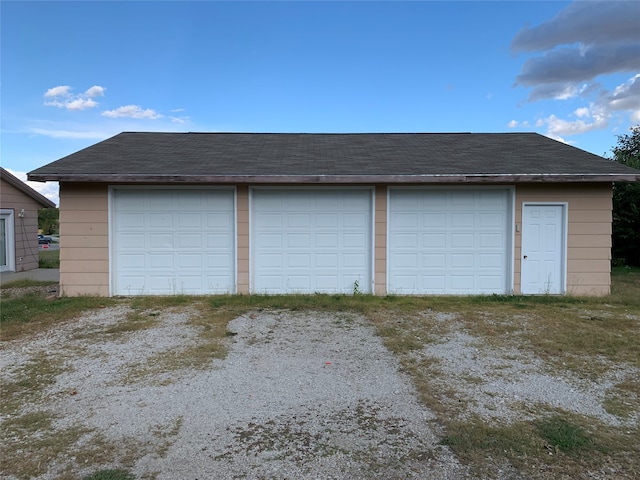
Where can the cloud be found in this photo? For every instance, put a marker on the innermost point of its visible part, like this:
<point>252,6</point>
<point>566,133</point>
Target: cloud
<point>59,91</point>
<point>584,41</point>
<point>132,111</point>
<point>557,126</point>
<point>72,134</point>
<point>570,65</point>
<point>62,97</point>
<point>49,189</point>
<point>593,22</point>
<point>95,91</point>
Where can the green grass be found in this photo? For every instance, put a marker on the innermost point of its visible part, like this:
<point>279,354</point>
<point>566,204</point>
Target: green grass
<point>26,282</point>
<point>110,475</point>
<point>49,258</point>
<point>32,313</point>
<point>562,434</point>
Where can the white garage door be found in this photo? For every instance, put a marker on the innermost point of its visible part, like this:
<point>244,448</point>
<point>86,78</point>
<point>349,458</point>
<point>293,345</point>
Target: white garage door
<point>173,241</point>
<point>448,241</point>
<point>311,240</point>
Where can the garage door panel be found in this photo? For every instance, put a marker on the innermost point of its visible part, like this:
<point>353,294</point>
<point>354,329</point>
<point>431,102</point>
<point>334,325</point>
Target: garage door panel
<point>129,220</point>
<point>326,220</point>
<point>326,240</point>
<point>134,261</point>
<point>299,260</point>
<point>181,232</point>
<point>326,234</point>
<point>161,221</point>
<point>192,262</point>
<point>161,261</point>
<point>326,260</point>
<point>269,220</point>
<point>193,240</point>
<point>405,240</point>
<point>487,261</point>
<point>463,241</point>
<point>298,220</point>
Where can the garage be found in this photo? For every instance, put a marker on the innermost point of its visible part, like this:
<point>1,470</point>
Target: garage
<point>311,240</point>
<point>449,241</point>
<point>167,241</point>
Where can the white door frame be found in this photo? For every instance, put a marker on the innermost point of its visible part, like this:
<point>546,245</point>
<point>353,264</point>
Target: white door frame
<point>563,249</point>
<point>10,240</point>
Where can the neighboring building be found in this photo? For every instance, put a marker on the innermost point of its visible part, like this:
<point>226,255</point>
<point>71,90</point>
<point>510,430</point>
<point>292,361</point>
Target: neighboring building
<point>206,213</point>
<point>19,204</point>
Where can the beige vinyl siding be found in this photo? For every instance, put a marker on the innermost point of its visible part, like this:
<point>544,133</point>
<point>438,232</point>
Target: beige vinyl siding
<point>84,239</point>
<point>242,227</point>
<point>588,236</point>
<point>380,241</point>
<point>25,229</point>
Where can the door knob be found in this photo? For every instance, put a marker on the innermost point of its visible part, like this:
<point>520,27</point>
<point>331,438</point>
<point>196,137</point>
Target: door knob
<point>525,257</point>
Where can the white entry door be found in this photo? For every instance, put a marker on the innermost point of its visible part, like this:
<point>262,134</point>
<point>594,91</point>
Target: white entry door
<point>543,248</point>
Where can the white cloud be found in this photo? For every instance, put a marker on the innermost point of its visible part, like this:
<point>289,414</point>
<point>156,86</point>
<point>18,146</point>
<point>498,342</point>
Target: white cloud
<point>95,91</point>
<point>72,134</point>
<point>63,98</point>
<point>557,126</point>
<point>582,112</point>
<point>59,91</point>
<point>48,189</point>
<point>512,124</point>
<point>80,104</point>
<point>132,111</point>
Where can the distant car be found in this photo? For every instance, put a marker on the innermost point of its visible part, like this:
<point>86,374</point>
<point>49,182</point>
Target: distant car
<point>43,240</point>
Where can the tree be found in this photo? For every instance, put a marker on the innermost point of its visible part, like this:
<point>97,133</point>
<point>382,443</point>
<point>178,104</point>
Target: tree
<point>48,220</point>
<point>626,203</point>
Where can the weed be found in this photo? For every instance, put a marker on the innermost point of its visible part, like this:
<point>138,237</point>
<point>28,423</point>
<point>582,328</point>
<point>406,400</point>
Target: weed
<point>110,475</point>
<point>563,435</point>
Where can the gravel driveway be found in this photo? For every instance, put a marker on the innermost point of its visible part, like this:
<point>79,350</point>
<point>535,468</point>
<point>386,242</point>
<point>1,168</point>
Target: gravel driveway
<point>299,395</point>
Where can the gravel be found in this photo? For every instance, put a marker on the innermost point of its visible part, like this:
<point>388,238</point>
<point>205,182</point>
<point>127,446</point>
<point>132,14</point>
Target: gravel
<point>299,395</point>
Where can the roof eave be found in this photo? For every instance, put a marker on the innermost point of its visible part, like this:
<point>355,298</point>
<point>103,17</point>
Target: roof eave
<point>335,179</point>
<point>27,190</point>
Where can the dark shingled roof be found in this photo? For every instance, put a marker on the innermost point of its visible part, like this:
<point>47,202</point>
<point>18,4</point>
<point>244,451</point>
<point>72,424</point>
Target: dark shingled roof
<point>332,158</point>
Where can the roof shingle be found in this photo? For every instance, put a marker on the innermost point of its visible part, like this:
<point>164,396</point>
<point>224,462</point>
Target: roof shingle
<point>357,158</point>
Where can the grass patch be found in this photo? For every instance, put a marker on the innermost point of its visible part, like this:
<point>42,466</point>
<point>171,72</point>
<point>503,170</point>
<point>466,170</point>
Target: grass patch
<point>49,258</point>
<point>110,475</point>
<point>28,383</point>
<point>562,434</point>
<point>31,313</point>
<point>211,343</point>
<point>25,283</point>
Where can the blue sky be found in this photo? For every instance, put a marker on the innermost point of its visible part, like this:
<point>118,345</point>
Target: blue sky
<point>76,73</point>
